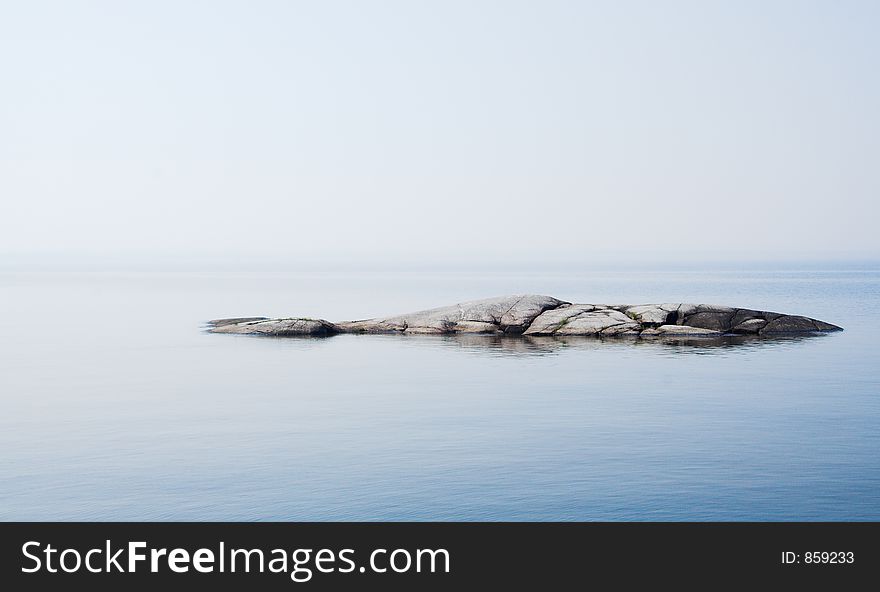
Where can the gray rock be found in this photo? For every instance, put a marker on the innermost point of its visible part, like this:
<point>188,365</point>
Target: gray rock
<point>744,314</point>
<point>548,322</point>
<point>474,327</point>
<point>653,314</point>
<point>667,330</point>
<point>276,327</point>
<point>606,322</point>
<point>235,321</point>
<point>716,321</point>
<point>751,326</point>
<point>790,324</point>
<point>545,316</point>
<point>823,326</point>
<point>520,315</point>
<point>511,314</point>
<point>685,309</point>
<point>633,329</point>
<point>374,326</point>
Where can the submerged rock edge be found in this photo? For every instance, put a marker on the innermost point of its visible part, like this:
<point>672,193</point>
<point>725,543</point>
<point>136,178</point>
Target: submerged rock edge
<point>538,315</point>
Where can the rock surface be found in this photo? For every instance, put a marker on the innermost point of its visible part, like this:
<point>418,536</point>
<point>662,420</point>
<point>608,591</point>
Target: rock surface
<point>534,315</point>
<point>276,327</point>
<point>511,314</point>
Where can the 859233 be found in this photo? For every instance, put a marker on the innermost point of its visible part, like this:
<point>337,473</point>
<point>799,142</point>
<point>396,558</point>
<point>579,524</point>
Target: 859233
<point>829,557</point>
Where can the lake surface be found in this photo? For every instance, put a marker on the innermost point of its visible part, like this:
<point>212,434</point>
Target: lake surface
<point>117,406</point>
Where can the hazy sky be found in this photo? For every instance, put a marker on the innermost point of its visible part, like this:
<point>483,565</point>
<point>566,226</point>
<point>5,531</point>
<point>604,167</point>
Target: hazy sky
<point>367,131</point>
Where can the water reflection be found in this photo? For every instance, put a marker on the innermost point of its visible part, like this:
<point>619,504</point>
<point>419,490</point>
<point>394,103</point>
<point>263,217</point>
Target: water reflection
<point>509,345</point>
<point>543,345</point>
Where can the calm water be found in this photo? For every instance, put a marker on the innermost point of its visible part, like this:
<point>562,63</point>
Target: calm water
<point>115,405</point>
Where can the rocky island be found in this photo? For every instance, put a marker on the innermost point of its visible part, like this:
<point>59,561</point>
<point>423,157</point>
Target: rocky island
<point>546,316</point>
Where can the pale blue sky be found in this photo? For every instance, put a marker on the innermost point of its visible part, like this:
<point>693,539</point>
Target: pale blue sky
<point>374,131</point>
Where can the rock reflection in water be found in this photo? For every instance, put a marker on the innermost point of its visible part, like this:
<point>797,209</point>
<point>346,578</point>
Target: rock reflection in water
<point>543,345</point>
